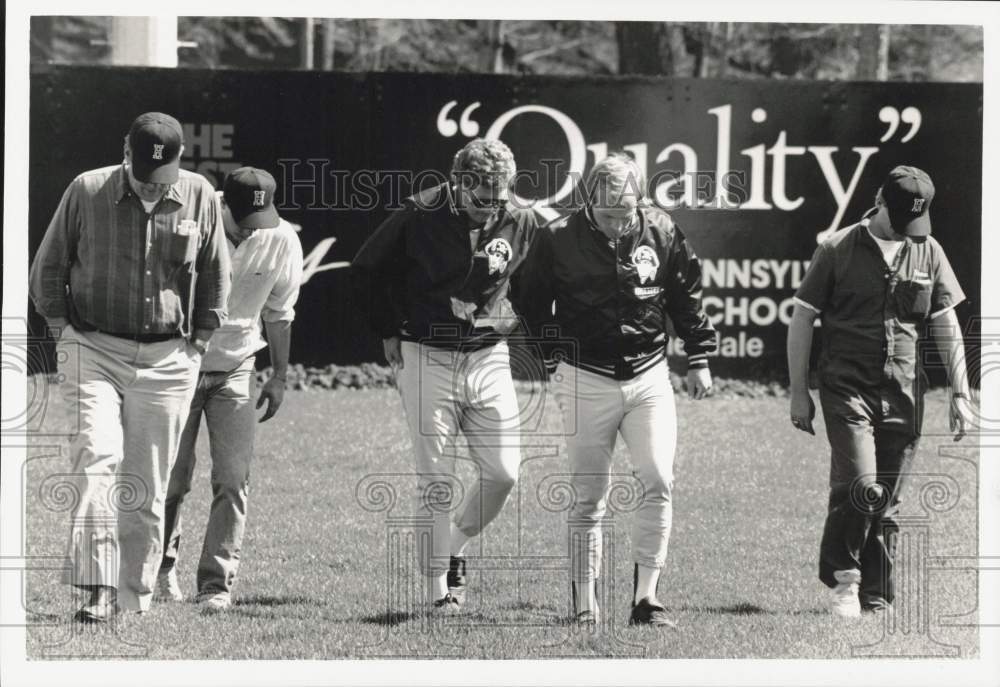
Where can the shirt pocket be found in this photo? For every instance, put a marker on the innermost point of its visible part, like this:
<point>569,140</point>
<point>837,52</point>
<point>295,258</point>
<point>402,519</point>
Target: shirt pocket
<point>183,241</point>
<point>913,299</point>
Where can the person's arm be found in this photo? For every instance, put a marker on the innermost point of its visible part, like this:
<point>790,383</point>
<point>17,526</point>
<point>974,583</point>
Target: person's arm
<point>684,306</point>
<point>800,335</point>
<point>49,275</point>
<point>812,296</point>
<point>532,292</point>
<point>947,334</point>
<point>948,338</point>
<point>378,276</point>
<point>278,313</point>
<point>212,283</point>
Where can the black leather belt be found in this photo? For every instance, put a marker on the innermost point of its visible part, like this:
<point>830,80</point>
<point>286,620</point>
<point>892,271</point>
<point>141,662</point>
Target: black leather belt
<point>142,338</point>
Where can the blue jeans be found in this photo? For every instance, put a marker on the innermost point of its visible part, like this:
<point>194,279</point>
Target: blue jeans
<point>227,401</point>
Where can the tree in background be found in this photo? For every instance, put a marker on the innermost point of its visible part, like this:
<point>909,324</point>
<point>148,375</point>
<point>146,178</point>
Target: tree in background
<point>579,48</point>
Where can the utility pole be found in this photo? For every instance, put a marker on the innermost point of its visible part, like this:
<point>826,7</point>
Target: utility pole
<point>144,41</point>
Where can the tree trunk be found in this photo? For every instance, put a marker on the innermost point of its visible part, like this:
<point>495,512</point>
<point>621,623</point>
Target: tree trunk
<point>873,53</point>
<point>490,55</point>
<point>306,43</point>
<point>328,44</point>
<point>640,48</point>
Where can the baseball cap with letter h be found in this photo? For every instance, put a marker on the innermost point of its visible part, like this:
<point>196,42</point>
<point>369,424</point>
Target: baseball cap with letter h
<point>908,193</point>
<point>249,193</point>
<point>155,141</point>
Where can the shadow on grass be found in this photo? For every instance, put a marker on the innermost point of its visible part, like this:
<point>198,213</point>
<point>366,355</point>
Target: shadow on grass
<point>269,601</point>
<point>388,618</point>
<point>744,608</point>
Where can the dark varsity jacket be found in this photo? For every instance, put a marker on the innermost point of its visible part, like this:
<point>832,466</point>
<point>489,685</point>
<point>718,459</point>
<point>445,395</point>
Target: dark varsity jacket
<point>615,299</point>
<point>423,281</point>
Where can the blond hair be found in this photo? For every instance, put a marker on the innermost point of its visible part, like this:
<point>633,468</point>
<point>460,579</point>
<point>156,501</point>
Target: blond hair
<point>615,176</point>
<point>484,162</point>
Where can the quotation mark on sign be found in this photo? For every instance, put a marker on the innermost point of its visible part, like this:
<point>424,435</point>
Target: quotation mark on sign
<point>891,116</point>
<point>447,127</point>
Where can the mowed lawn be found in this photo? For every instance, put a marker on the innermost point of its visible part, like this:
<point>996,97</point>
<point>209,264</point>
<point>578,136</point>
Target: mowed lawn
<point>329,569</point>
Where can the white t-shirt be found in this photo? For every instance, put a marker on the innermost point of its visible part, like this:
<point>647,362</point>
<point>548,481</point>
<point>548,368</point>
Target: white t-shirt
<point>890,249</point>
<point>148,204</point>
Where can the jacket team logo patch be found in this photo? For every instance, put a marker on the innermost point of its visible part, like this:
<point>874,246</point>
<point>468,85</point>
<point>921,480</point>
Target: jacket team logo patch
<point>646,263</point>
<point>498,252</point>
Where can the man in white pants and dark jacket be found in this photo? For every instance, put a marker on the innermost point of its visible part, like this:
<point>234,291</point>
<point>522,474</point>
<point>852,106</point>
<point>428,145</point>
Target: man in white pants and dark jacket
<point>616,270</point>
<point>436,276</point>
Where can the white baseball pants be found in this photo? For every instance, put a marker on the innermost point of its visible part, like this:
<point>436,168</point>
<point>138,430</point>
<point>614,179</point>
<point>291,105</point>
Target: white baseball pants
<point>595,409</point>
<point>445,393</point>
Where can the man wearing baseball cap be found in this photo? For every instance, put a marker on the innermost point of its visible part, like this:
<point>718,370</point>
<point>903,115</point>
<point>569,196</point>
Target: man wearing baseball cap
<point>133,276</point>
<point>877,286</point>
<point>267,269</point>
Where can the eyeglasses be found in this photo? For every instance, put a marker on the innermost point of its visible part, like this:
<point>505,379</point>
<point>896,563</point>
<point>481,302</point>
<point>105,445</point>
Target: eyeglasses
<point>486,204</point>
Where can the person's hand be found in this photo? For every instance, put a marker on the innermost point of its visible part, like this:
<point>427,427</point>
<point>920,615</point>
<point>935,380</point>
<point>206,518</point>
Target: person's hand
<point>699,382</point>
<point>56,326</point>
<point>393,352</point>
<point>274,393</point>
<point>959,415</point>
<point>803,411</point>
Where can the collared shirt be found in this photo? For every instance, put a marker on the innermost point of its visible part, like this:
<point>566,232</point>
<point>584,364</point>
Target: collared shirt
<point>106,263</point>
<point>873,314</point>
<point>266,274</point>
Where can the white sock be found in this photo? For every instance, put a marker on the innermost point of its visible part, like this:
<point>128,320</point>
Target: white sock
<point>459,540</point>
<point>586,596</point>
<point>437,586</point>
<point>645,584</point>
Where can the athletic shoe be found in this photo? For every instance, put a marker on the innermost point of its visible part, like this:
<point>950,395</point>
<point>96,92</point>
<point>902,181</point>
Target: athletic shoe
<point>167,588</point>
<point>844,601</point>
<point>214,602</point>
<point>649,611</point>
<point>446,604</point>
<point>874,604</point>
<point>100,608</point>
<point>456,578</point>
<point>585,618</point>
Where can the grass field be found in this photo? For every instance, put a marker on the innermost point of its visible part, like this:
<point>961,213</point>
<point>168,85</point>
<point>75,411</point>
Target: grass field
<point>327,574</point>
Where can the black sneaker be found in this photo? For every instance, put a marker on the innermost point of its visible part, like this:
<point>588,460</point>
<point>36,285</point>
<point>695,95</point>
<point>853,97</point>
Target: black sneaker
<point>456,578</point>
<point>874,604</point>
<point>649,611</point>
<point>446,604</point>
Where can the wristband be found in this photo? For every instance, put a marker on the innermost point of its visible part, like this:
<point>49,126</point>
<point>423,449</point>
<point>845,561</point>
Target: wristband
<point>960,394</point>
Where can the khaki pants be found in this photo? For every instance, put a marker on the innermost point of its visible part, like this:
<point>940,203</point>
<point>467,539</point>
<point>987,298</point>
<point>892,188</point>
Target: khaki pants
<point>129,401</point>
<point>595,409</point>
<point>227,401</point>
<point>446,392</point>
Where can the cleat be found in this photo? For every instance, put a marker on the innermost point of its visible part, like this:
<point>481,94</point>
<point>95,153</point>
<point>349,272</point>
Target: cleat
<point>456,578</point>
<point>446,604</point>
<point>844,601</point>
<point>167,588</point>
<point>214,602</point>
<point>874,604</point>
<point>585,618</point>
<point>649,611</point>
<point>101,608</point>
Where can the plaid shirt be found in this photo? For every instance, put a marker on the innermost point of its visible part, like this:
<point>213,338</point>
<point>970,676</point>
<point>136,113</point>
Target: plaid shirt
<point>106,263</point>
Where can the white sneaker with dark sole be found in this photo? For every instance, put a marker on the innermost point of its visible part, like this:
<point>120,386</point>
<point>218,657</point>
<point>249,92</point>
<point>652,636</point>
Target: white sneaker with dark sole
<point>214,602</point>
<point>844,601</point>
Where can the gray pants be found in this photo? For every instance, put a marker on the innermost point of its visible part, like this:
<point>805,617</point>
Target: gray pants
<point>227,401</point>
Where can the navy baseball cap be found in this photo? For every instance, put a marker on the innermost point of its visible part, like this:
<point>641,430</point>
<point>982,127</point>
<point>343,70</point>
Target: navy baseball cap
<point>155,140</point>
<point>908,193</point>
<point>249,193</point>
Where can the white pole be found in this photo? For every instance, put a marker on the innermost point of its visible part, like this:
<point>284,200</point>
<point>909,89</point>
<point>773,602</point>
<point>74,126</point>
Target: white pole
<point>144,41</point>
